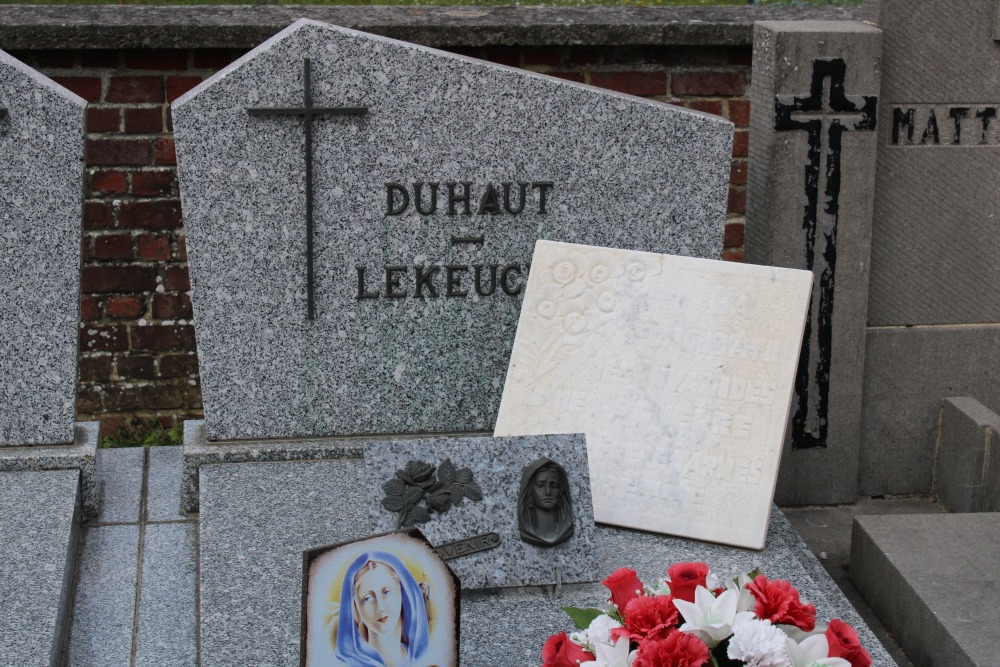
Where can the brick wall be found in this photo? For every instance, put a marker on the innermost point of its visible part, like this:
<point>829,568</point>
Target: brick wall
<point>137,348</point>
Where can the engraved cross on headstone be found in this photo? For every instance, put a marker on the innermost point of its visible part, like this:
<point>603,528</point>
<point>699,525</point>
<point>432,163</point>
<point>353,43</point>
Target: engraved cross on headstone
<point>308,111</point>
<point>828,112</point>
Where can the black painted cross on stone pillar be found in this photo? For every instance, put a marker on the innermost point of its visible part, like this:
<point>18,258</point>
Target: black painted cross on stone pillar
<point>826,112</point>
<point>308,111</point>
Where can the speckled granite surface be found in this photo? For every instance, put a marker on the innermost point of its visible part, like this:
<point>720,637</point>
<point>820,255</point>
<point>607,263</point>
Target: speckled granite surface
<point>257,519</point>
<point>615,171</point>
<point>39,525</point>
<point>41,200</point>
<point>496,465</point>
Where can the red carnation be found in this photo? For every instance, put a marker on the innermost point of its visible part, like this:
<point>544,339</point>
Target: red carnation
<point>677,650</point>
<point>648,617</point>
<point>844,644</point>
<point>624,585</point>
<point>685,578</point>
<point>559,651</point>
<point>778,602</point>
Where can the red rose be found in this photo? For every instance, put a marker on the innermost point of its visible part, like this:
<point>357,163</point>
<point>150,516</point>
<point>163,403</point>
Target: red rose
<point>844,644</point>
<point>778,602</point>
<point>624,586</point>
<point>559,651</point>
<point>685,577</point>
<point>677,650</point>
<point>648,617</point>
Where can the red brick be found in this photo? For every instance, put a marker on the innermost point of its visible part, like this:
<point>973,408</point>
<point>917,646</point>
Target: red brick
<point>583,56</point>
<point>182,252</point>
<point>741,143</point>
<point>738,173</point>
<point>163,337</point>
<point>569,76</point>
<point>103,338</point>
<point>97,215</point>
<point>153,248</point>
<point>136,89</point>
<point>739,112</point>
<point>542,57</point>
<point>104,279</point>
<point>150,215</point>
<point>117,151</point>
<point>87,87</point>
<point>103,120</point>
<point>85,251</point>
<point>502,55</point>
<point>129,307</point>
<point>124,397</point>
<point>713,107</point>
<point>633,83</point>
<point>733,256</point>
<point>156,59</point>
<point>734,235</point>
<point>151,183</point>
<point>175,279</point>
<point>707,84</point>
<point>54,59</point>
<point>165,151</point>
<point>178,85</point>
<point>737,201</point>
<point>172,306</point>
<point>194,397</point>
<point>99,58</point>
<point>90,308</point>
<point>89,400</point>
<point>95,369</point>
<point>144,120</point>
<point>134,367</point>
<point>213,59</point>
<point>178,365</point>
<point>113,246</point>
<point>108,182</point>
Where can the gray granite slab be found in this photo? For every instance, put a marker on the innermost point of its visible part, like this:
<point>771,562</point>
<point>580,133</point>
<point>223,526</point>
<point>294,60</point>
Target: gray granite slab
<point>39,527</point>
<point>121,474</point>
<point>104,605</point>
<point>257,519</point>
<point>163,486</point>
<point>41,209</point>
<point>968,476</point>
<point>931,579</point>
<point>82,456</point>
<point>792,61</point>
<point>615,171</point>
<point>167,604</point>
<point>496,465</point>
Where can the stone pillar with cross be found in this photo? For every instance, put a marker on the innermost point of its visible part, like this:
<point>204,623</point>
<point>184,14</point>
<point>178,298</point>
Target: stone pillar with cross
<point>813,115</point>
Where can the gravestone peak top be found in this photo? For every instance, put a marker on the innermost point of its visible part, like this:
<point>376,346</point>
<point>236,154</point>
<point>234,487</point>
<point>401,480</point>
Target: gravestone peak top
<point>423,214</point>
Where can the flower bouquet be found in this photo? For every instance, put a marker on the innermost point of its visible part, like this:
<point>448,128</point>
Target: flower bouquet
<point>688,620</point>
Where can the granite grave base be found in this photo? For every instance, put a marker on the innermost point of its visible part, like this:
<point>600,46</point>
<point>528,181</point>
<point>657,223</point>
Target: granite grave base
<point>39,529</point>
<point>255,521</point>
<point>81,455</point>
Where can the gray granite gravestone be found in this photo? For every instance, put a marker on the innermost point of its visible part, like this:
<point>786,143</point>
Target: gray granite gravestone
<point>813,107</point>
<point>360,214</point>
<point>933,305</point>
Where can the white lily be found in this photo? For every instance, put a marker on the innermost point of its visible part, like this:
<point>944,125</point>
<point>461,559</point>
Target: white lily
<point>611,655</point>
<point>812,652</point>
<point>711,618</point>
<point>747,601</point>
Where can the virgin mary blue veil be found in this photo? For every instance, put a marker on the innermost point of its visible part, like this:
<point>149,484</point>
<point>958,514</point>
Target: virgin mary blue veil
<point>351,649</point>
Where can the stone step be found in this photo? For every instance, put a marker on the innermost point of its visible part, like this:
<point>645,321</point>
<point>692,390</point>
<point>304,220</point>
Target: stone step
<point>932,580</point>
<point>39,529</point>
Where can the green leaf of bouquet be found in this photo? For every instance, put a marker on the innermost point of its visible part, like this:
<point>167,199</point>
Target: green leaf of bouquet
<point>582,618</point>
<point>756,573</point>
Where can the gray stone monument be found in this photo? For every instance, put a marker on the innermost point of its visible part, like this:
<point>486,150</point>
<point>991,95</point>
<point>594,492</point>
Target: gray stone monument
<point>813,118</point>
<point>933,306</point>
<point>968,474</point>
<point>47,461</point>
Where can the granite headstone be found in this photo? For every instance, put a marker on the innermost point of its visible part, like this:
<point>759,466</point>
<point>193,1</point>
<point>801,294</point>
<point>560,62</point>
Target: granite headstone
<point>41,200</point>
<point>813,118</point>
<point>678,370</point>
<point>360,214</point>
<point>495,467</point>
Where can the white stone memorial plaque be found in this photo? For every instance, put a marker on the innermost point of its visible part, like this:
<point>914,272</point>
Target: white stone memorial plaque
<point>679,370</point>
